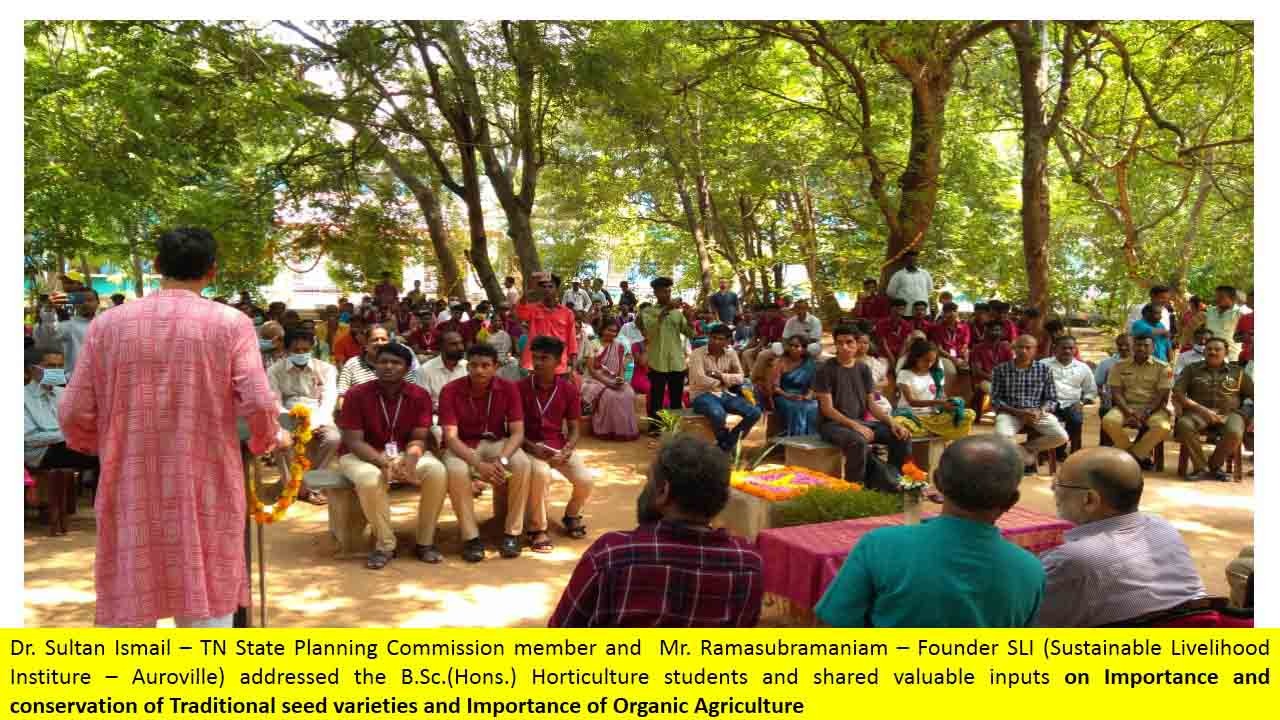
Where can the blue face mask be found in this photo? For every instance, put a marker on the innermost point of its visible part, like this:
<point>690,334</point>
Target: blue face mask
<point>300,359</point>
<point>266,345</point>
<point>344,317</point>
<point>54,376</point>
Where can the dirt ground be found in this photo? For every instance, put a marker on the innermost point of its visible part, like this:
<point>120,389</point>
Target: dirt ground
<point>307,587</point>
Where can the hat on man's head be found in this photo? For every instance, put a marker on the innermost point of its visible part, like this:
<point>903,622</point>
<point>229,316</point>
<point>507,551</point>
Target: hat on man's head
<point>662,282</point>
<point>75,275</point>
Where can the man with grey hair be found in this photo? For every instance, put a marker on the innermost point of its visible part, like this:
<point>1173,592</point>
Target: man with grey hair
<point>1118,563</point>
<point>954,570</point>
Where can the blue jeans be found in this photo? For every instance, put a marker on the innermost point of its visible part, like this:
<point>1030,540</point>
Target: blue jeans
<point>716,409</point>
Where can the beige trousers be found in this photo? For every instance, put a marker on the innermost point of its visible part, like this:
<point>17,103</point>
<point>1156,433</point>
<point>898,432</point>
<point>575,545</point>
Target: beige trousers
<point>371,489</point>
<point>575,471</point>
<point>517,488</point>
<point>1159,427</point>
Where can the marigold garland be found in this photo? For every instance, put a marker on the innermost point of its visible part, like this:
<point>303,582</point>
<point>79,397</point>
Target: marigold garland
<point>298,464</point>
<point>787,482</point>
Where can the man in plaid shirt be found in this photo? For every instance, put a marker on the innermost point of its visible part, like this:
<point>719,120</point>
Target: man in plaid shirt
<point>1024,396</point>
<point>673,570</point>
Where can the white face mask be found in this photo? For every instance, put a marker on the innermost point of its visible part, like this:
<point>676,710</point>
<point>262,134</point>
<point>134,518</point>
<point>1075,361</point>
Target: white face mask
<point>300,359</point>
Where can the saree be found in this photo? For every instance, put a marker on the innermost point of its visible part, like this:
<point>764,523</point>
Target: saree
<point>799,417</point>
<point>613,408</point>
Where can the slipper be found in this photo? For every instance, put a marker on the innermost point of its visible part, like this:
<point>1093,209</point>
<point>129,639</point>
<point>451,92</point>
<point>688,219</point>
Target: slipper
<point>574,527</point>
<point>428,553</point>
<point>315,498</point>
<point>378,559</point>
<point>543,545</point>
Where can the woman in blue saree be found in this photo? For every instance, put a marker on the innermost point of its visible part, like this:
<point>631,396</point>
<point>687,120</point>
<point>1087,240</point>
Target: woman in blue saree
<point>793,396</point>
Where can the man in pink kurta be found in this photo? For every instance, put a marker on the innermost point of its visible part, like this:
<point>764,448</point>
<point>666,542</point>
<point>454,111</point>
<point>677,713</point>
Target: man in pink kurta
<point>162,383</point>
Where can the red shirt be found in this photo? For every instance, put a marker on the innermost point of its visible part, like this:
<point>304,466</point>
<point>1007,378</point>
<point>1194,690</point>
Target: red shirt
<point>924,325</point>
<point>952,340</point>
<point>420,339</point>
<point>985,357</point>
<point>1011,330</point>
<point>546,410</point>
<point>344,349</point>
<point>892,332</point>
<point>383,421</point>
<point>664,575</point>
<point>386,293</point>
<point>1244,327</point>
<point>470,329</point>
<point>474,416</point>
<point>874,308</point>
<point>557,322</point>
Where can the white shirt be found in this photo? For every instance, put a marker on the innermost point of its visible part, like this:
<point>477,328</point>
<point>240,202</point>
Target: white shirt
<point>922,388</point>
<point>41,428</point>
<point>1073,381</point>
<point>434,376</point>
<point>810,327</point>
<point>68,335</point>
<point>1185,359</point>
<point>581,299</point>
<point>910,286</point>
<point>1117,569</point>
<point>1135,314</point>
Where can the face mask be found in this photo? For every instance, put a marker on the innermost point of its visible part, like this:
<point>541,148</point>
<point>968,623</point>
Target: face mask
<point>1198,348</point>
<point>266,345</point>
<point>344,317</point>
<point>54,376</point>
<point>300,359</point>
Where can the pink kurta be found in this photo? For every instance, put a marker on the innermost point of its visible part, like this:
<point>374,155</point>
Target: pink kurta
<point>159,385</point>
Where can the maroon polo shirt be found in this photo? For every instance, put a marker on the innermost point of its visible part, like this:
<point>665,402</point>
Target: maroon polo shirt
<point>545,410</point>
<point>459,408</point>
<point>363,406</point>
<point>892,332</point>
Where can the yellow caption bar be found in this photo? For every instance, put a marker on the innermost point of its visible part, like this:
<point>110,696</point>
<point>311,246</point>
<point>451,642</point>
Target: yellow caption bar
<point>632,674</point>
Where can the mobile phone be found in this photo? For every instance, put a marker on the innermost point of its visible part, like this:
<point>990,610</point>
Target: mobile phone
<point>78,298</point>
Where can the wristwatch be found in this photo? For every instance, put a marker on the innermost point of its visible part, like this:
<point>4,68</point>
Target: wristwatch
<point>504,462</point>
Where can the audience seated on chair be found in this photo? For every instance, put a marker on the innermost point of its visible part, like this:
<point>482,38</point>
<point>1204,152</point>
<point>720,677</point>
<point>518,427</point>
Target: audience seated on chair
<point>1024,396</point>
<point>300,378</point>
<point>1074,383</point>
<point>1210,395</point>
<point>1117,563</point>
<point>715,380</point>
<point>1140,395</point>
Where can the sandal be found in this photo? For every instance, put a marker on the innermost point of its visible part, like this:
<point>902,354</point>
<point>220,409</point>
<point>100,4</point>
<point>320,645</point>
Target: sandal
<point>473,550</point>
<point>428,553</point>
<point>574,527</point>
<point>510,547</point>
<point>378,559</point>
<point>539,542</point>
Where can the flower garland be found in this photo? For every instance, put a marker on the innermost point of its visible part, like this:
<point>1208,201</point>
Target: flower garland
<point>786,483</point>
<point>298,464</point>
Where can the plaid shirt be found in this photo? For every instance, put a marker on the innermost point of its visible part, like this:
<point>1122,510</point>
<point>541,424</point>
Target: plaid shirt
<point>664,575</point>
<point>1023,389</point>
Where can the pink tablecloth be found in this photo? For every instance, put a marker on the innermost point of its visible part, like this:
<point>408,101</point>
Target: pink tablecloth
<point>800,562</point>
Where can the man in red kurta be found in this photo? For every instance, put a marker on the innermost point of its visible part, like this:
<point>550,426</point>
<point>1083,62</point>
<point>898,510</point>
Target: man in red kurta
<point>155,396</point>
<point>549,318</point>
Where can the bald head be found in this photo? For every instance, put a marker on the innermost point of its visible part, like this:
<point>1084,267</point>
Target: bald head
<point>981,473</point>
<point>1111,473</point>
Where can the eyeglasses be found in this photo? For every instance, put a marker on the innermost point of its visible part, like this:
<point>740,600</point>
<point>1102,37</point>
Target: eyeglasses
<point>1057,485</point>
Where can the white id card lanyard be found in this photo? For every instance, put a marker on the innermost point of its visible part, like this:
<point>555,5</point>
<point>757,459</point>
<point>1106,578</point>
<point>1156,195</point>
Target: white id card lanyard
<point>392,449</point>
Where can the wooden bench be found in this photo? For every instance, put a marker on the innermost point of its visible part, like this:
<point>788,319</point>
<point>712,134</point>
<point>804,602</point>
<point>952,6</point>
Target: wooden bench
<point>347,522</point>
<point>811,451</point>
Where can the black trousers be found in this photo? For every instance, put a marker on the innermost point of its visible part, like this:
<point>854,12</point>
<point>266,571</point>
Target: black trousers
<point>856,447</point>
<point>60,457</point>
<point>670,382</point>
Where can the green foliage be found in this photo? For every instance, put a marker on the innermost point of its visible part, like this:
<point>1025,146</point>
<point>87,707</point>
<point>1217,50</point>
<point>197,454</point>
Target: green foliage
<point>826,505</point>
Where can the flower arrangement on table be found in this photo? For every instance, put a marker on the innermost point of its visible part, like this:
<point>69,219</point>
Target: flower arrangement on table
<point>298,464</point>
<point>787,482</point>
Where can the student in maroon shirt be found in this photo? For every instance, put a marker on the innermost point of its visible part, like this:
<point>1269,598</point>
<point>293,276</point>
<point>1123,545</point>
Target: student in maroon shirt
<point>386,435</point>
<point>920,317</point>
<point>552,408</point>
<point>673,570</point>
<point>893,331</point>
<point>951,336</point>
<point>873,305</point>
<point>483,421</point>
<point>1000,313</point>
<point>978,323</point>
<point>983,359</point>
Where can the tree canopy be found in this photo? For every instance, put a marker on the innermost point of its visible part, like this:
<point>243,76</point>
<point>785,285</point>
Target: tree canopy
<point>1041,161</point>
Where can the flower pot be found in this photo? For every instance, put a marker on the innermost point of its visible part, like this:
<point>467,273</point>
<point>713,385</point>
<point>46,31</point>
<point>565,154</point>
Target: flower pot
<point>911,508</point>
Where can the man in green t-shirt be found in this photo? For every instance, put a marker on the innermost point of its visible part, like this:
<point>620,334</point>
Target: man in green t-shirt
<point>665,325</point>
<point>954,570</point>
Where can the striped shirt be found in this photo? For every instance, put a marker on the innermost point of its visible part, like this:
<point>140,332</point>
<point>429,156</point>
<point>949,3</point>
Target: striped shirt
<point>1117,569</point>
<point>357,371</point>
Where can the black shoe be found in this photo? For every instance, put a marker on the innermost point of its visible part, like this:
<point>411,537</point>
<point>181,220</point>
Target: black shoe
<point>1221,476</point>
<point>473,550</point>
<point>510,547</point>
<point>428,553</point>
<point>1201,475</point>
<point>1061,453</point>
<point>1147,464</point>
<point>1030,470</point>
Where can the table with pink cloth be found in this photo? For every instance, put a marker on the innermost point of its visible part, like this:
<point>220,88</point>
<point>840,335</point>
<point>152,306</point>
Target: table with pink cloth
<point>801,561</point>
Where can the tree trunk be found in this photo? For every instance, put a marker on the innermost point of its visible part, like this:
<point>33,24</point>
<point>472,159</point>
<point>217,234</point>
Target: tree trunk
<point>699,240</point>
<point>86,271</point>
<point>918,184</point>
<point>135,262</point>
<point>1193,230</point>
<point>452,283</point>
<point>730,249</point>
<point>1029,46</point>
<point>479,253</point>
<point>805,225</point>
